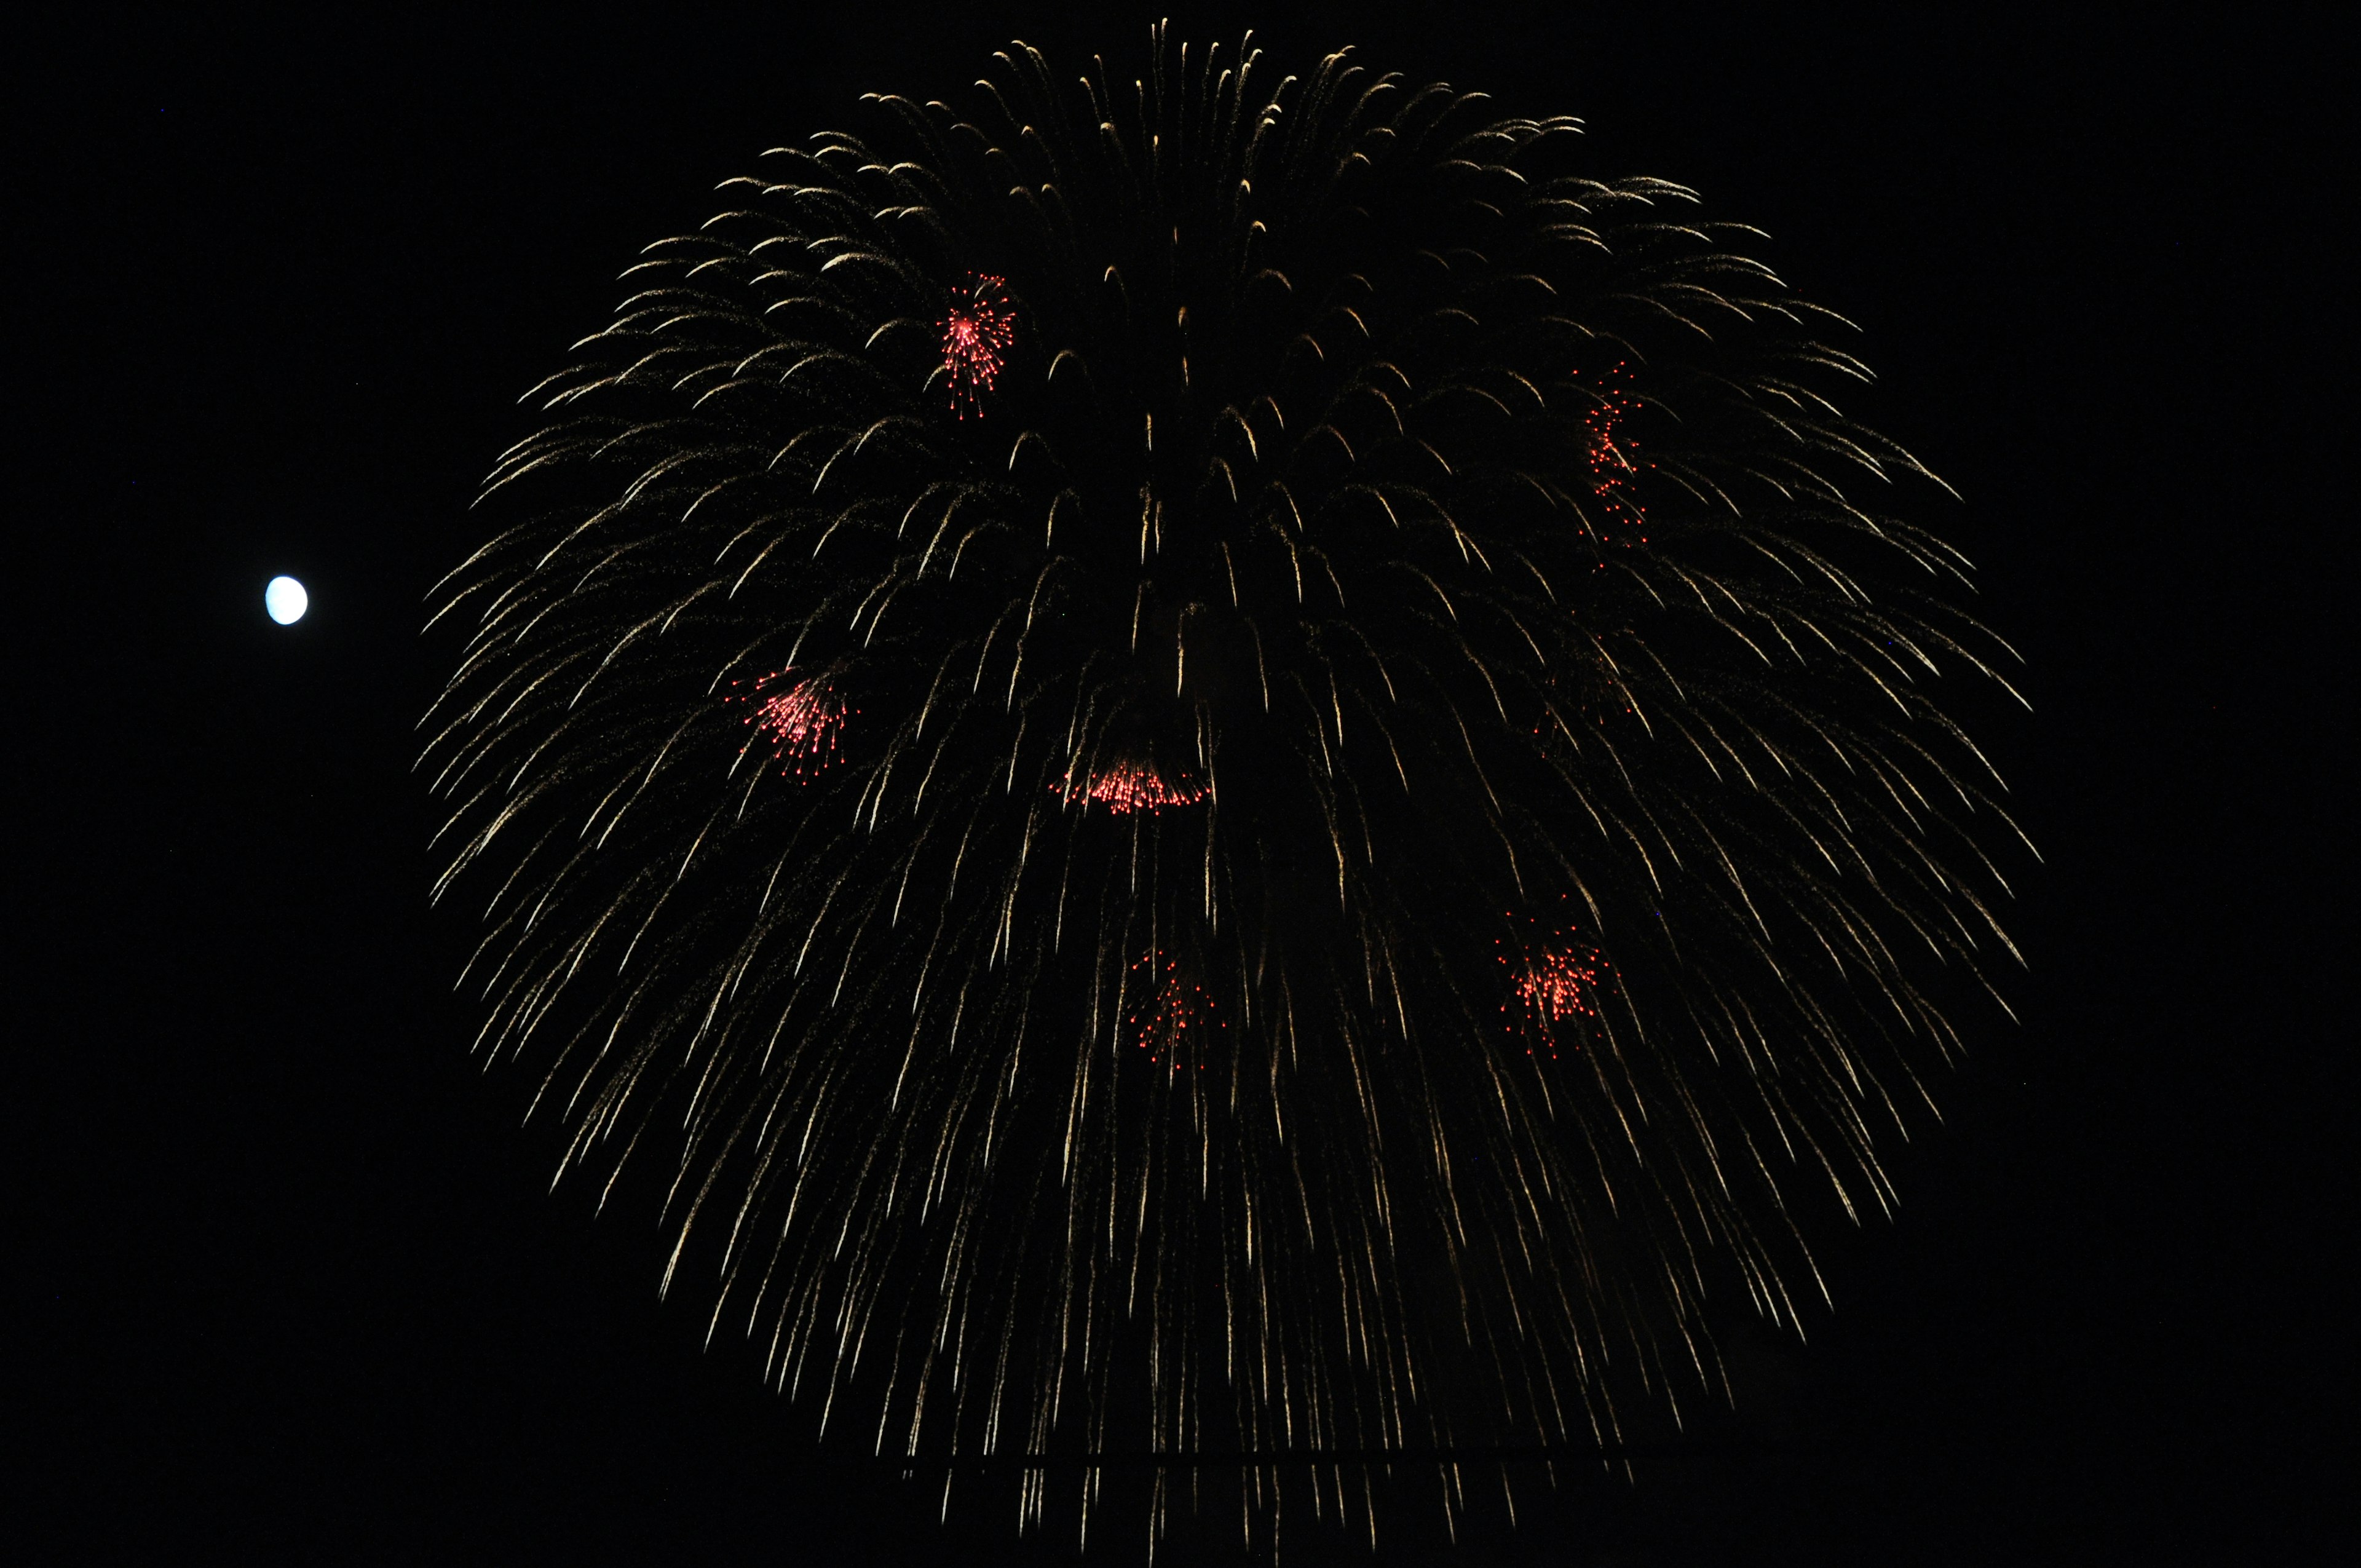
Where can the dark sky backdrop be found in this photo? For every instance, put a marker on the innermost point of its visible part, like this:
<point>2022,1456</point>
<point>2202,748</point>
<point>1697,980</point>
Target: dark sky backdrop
<point>292,1285</point>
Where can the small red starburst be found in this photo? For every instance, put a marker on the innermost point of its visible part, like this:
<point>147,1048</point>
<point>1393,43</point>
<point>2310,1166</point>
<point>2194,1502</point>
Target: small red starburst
<point>977,329</point>
<point>1132,786</point>
<point>1561,984</point>
<point>1554,983</point>
<point>1173,1016</point>
<point>1614,454</point>
<point>1610,460</point>
<point>801,719</point>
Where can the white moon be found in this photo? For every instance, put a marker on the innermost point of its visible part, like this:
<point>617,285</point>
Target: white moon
<point>286,600</point>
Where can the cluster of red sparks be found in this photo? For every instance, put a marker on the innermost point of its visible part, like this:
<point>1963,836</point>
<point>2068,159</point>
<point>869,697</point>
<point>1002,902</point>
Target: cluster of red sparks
<point>977,331</point>
<point>802,720</point>
<point>1560,984</point>
<point>1554,983</point>
<point>1173,1017</point>
<point>1136,786</point>
<point>1612,464</point>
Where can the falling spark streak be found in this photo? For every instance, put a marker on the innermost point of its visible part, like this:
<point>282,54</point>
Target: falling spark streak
<point>1595,879</point>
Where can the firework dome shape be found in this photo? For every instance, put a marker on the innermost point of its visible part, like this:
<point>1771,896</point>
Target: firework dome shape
<point>1296,566</point>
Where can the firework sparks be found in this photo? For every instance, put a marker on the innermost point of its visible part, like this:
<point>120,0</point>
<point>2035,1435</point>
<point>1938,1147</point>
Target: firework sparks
<point>1562,985</point>
<point>1610,460</point>
<point>1556,984</point>
<point>978,330</point>
<point>1355,559</point>
<point>1135,786</point>
<point>801,723</point>
<point>1175,1018</point>
<point>1614,454</point>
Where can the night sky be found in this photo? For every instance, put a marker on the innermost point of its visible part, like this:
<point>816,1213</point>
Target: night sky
<point>289,1281</point>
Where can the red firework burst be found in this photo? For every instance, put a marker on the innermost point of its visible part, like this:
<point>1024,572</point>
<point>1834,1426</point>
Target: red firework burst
<point>801,717</point>
<point>1554,981</point>
<point>1173,1019</point>
<point>1136,786</point>
<point>977,332</point>
<point>1614,456</point>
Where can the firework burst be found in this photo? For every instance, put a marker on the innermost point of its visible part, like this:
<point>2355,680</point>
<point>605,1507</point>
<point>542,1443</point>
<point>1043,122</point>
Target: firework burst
<point>1382,523</point>
<point>799,718</point>
<point>1557,986</point>
<point>977,332</point>
<point>1172,1020</point>
<point>1129,786</point>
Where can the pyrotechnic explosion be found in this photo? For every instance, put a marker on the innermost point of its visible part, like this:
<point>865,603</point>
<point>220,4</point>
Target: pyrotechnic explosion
<point>1129,786</point>
<point>1379,522</point>
<point>1171,1019</point>
<point>1555,982</point>
<point>977,331</point>
<point>799,718</point>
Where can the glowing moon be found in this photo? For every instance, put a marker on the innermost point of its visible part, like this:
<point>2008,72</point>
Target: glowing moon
<point>286,600</point>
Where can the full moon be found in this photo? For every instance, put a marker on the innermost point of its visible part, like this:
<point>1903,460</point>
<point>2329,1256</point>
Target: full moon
<point>286,600</point>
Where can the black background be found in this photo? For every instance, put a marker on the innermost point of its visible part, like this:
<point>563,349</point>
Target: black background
<point>294,1284</point>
